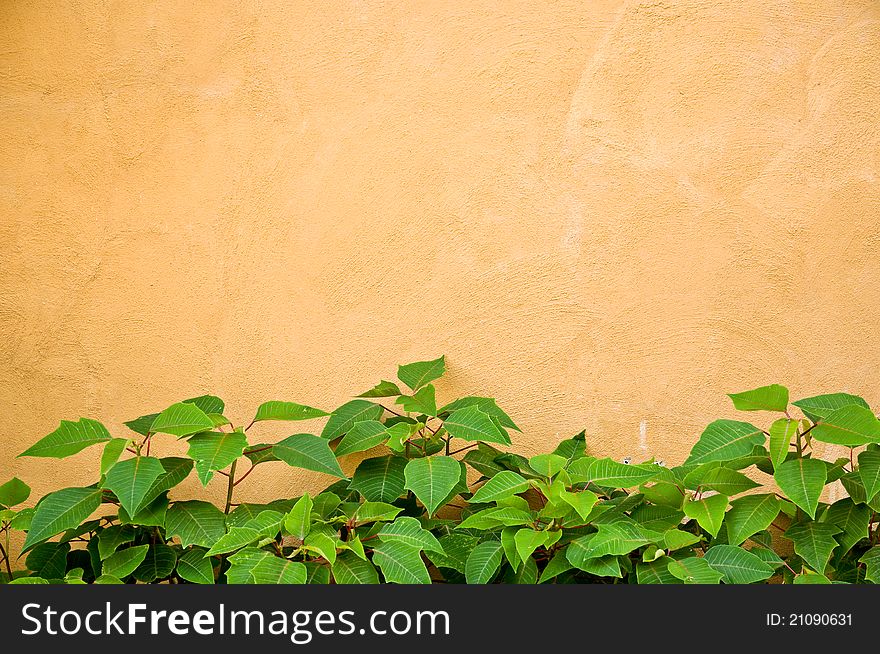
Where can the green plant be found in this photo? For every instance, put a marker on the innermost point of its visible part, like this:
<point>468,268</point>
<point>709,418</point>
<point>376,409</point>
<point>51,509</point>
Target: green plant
<point>443,501</point>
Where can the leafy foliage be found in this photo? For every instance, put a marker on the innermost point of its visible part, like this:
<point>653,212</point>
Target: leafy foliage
<point>434,496</point>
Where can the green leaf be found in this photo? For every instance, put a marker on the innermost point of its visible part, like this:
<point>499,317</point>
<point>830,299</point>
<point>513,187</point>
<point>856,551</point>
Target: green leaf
<point>216,450</point>
<point>112,451</point>
<point>59,511</point>
<point>708,512</point>
<point>472,424</point>
<point>502,485</point>
<point>298,521</point>
<point>557,565</point>
<point>573,448</point>
<point>614,539</point>
<point>267,523</point>
<point>142,425</point>
<point>410,532</point>
<point>765,398</point>
<point>525,574</point>
<point>852,518</point>
<point>802,481</point>
<point>195,523</point>
<point>782,432</point>
<point>693,570</point>
<point>194,567</point>
<point>69,438</point>
<point>852,483</point>
<point>869,472</point>
<point>811,578</point>
<point>380,479</point>
<point>494,517</point>
<point>13,492</point>
<point>813,542</point>
<point>275,410</point>
<point>547,464</point>
<point>726,481</point>
<point>749,515</point>
<point>399,433</point>
<point>376,512</point>
<point>131,479</point>
<point>850,425</point>
<point>871,559</point>
<point>457,548</point>
<point>527,540</point>
<point>20,520</point>
<point>664,493</point>
<point>657,518</point>
<point>415,375</point>
<point>362,436</point>
<point>484,404</point>
<point>235,539</point>
<point>108,579</point>
<point>483,562</point>
<point>401,563</point>
<point>736,565</point>
<point>245,513</point>
<point>675,539</point>
<point>382,389</point>
<point>655,572</point>
<point>432,479</point>
<point>603,566</point>
<point>612,474</point>
<point>207,403</point>
<point>181,419</point>
<point>112,538</point>
<point>157,564</point>
<point>725,439</point>
<point>819,406</point>
<point>310,452</point>
<point>124,562</point>
<point>351,569</point>
<point>176,470</point>
<point>48,560</point>
<point>582,502</point>
<point>508,542</point>
<point>255,566</point>
<point>322,544</point>
<point>152,515</point>
<point>349,414</point>
<point>768,556</point>
<point>422,401</point>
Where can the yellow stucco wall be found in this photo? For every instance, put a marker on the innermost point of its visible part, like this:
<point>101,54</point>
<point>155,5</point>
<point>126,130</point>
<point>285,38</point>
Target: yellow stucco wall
<point>606,214</point>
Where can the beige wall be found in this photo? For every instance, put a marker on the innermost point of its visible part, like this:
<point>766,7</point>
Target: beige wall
<point>606,214</point>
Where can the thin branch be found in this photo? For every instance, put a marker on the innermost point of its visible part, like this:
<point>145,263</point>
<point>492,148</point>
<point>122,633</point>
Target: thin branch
<point>230,487</point>
<point>244,476</point>
<point>392,411</point>
<point>6,561</point>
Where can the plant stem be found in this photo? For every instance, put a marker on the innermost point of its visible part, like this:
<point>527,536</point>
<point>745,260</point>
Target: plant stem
<point>6,559</point>
<point>244,476</point>
<point>463,449</point>
<point>391,411</point>
<point>230,486</point>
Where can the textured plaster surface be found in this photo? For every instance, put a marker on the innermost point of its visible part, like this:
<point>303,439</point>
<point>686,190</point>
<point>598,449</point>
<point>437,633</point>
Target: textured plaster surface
<point>606,214</point>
